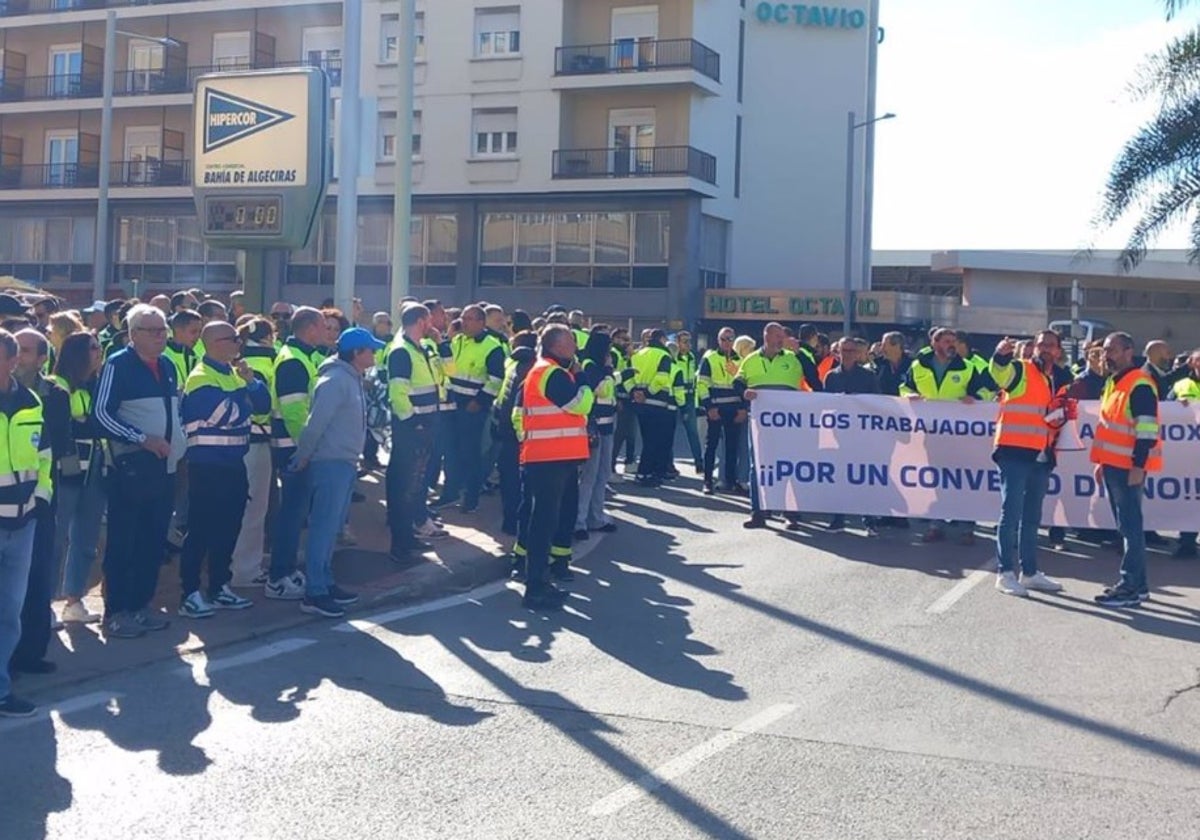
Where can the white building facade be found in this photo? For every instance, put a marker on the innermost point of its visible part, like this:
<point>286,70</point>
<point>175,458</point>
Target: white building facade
<point>614,155</point>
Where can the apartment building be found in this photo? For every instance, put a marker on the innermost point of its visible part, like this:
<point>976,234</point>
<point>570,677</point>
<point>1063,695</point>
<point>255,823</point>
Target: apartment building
<point>616,155</point>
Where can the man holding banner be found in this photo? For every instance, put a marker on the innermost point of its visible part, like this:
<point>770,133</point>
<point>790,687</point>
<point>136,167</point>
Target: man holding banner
<point>1032,409</point>
<point>1127,446</point>
<point>942,374</point>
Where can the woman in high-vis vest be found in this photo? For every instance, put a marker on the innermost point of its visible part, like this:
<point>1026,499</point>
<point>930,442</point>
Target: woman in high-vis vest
<point>555,401</point>
<point>1032,409</point>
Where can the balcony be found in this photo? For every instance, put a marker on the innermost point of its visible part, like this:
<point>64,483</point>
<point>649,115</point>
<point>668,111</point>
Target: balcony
<point>643,62</point>
<point>150,173</point>
<point>652,162</point>
<point>151,82</point>
<point>40,176</point>
<point>64,86</point>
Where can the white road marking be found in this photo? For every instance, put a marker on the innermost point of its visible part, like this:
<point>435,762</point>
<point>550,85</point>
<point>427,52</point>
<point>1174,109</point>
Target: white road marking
<point>676,767</point>
<point>63,707</point>
<point>960,589</point>
<point>370,622</point>
<point>200,667</point>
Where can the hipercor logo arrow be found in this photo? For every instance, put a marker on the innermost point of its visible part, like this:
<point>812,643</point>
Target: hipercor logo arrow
<point>229,118</point>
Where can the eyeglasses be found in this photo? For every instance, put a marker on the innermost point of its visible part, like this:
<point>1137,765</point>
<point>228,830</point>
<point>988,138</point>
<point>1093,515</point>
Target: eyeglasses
<point>152,330</point>
<point>724,338</point>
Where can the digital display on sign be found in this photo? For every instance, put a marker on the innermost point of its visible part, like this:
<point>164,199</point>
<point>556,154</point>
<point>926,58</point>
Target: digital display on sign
<point>244,215</point>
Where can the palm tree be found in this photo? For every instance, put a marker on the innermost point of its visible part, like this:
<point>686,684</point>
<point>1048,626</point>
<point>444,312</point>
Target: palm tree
<point>1157,174</point>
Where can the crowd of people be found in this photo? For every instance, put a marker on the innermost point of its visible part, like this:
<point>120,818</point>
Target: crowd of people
<point>187,425</point>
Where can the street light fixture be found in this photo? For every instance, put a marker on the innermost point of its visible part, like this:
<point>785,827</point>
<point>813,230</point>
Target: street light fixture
<point>100,253</point>
<point>852,125</point>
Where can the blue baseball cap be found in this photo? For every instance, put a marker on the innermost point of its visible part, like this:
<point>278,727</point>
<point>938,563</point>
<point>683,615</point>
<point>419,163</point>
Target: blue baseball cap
<point>356,338</point>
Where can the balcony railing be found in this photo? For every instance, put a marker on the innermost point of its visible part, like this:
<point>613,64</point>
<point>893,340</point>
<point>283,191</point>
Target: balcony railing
<point>650,162</point>
<point>150,173</point>
<point>636,56</point>
<point>62,86</point>
<point>49,176</point>
<point>149,82</point>
<point>12,8</point>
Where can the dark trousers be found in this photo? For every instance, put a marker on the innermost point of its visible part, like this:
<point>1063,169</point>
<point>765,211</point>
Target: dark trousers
<point>510,482</point>
<point>658,437</point>
<point>553,490</point>
<point>139,512</point>
<point>217,496</point>
<point>411,448</point>
<point>290,515</point>
<point>443,455</point>
<point>725,427</point>
<point>468,439</point>
<point>35,613</point>
<point>626,431</point>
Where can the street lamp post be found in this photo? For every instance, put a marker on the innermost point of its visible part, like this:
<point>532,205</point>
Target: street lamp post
<point>406,56</point>
<point>852,125</point>
<point>100,252</point>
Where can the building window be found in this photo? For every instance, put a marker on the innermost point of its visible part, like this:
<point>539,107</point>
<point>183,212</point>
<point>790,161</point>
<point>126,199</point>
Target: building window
<point>419,33</point>
<point>495,132</point>
<point>416,134</point>
<point>231,50</point>
<point>714,252</point>
<point>389,38</point>
<point>47,251</point>
<point>433,254</point>
<point>168,251</point>
<point>387,135</point>
<point>573,249</point>
<point>497,32</point>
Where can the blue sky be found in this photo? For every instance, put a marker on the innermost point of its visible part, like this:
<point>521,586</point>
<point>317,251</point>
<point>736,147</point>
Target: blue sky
<point>1009,116</point>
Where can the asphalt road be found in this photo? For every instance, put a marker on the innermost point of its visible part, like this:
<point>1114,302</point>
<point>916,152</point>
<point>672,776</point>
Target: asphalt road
<point>705,681</point>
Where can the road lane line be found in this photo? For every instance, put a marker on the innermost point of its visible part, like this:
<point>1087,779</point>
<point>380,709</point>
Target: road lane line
<point>371,621</point>
<point>63,707</point>
<point>678,766</point>
<point>960,589</point>
<point>201,666</point>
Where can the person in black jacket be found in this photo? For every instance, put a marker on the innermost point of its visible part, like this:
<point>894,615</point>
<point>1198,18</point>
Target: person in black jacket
<point>524,347</point>
<point>30,655</point>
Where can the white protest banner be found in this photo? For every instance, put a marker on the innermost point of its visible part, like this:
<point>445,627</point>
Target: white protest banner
<point>887,456</point>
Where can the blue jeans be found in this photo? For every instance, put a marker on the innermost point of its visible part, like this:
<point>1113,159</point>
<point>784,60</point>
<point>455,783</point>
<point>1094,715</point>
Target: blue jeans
<point>289,522</point>
<point>1023,486</point>
<point>687,419</point>
<point>1126,504</point>
<point>330,483</point>
<point>592,480</point>
<point>16,553</point>
<point>80,518</point>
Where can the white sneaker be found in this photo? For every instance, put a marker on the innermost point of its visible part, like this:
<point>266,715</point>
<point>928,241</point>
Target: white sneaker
<point>196,606</point>
<point>227,599</point>
<point>1040,583</point>
<point>77,613</point>
<point>1007,583</point>
<point>429,531</point>
<point>284,589</point>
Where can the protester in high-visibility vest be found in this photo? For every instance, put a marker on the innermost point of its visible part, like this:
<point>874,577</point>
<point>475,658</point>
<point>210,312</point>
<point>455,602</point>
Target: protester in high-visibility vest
<point>220,397</point>
<point>258,349</point>
<point>770,368</point>
<point>475,381</point>
<point>181,348</point>
<point>1126,447</point>
<point>514,504</point>
<point>626,433</point>
<point>726,412</point>
<point>27,486</point>
<point>941,374</point>
<point>688,366</point>
<point>441,358</point>
<point>808,339</point>
<point>413,396</point>
<point>1187,391</point>
<point>1033,407</point>
<point>292,387</point>
<point>593,477</point>
<point>652,386</point>
<point>555,402</point>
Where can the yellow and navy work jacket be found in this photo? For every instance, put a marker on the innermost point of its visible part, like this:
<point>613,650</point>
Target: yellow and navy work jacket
<point>688,367</point>
<point>959,379</point>
<point>26,461</point>
<point>216,411</point>
<point>714,381</point>
<point>603,416</point>
<point>183,358</point>
<point>760,372</point>
<point>653,375</point>
<point>412,385</point>
<point>442,362</point>
<point>74,467</point>
<point>291,394</point>
<point>478,368</point>
<point>262,361</point>
<point>1187,389</point>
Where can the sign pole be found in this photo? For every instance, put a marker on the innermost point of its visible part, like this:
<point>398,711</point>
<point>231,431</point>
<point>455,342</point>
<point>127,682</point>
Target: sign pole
<point>402,199</point>
<point>347,153</point>
<point>100,266</point>
<point>848,245</point>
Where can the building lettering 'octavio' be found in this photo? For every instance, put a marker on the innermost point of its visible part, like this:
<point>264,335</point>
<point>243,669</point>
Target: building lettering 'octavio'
<point>800,14</point>
<point>819,305</point>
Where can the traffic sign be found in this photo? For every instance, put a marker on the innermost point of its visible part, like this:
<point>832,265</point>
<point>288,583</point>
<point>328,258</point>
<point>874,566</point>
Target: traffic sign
<point>261,153</point>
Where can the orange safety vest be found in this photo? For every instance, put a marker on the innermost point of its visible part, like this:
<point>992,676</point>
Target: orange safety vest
<point>1022,420</point>
<point>1117,433</point>
<point>550,434</point>
<point>824,366</point>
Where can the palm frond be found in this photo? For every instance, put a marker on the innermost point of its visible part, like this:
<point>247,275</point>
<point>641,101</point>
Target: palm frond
<point>1173,74</point>
<point>1164,148</point>
<point>1174,7</point>
<point>1172,203</point>
<point>1194,252</point>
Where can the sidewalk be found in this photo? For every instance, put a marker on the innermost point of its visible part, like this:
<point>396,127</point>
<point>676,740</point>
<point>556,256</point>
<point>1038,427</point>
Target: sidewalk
<point>470,556</point>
